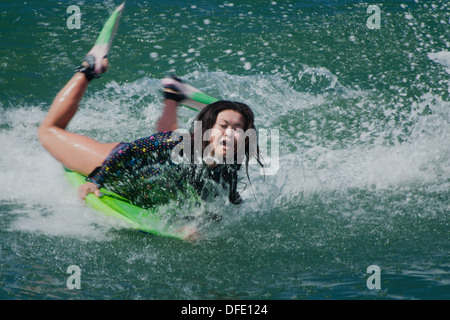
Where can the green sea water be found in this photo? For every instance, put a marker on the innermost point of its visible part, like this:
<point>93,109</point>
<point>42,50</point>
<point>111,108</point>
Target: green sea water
<point>363,116</point>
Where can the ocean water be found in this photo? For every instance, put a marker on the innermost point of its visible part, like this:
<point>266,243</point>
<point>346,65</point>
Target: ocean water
<point>360,100</point>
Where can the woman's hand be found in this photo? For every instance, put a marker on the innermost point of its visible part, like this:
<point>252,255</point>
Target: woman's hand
<point>88,188</point>
<point>190,233</point>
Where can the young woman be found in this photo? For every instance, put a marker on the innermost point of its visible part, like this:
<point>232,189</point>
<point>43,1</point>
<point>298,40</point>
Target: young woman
<point>121,166</point>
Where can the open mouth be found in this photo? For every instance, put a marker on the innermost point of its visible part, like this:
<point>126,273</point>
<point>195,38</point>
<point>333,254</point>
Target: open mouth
<point>227,145</point>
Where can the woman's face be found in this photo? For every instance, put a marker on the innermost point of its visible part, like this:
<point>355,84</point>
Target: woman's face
<point>225,133</point>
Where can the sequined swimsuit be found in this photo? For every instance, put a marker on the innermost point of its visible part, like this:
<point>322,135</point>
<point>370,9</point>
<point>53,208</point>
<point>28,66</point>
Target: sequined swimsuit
<point>148,159</point>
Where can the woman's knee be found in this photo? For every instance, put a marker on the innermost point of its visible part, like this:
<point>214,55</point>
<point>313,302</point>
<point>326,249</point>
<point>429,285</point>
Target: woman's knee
<point>43,134</point>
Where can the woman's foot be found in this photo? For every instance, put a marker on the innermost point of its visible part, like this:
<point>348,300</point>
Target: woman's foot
<point>176,89</point>
<point>88,67</point>
<point>173,89</point>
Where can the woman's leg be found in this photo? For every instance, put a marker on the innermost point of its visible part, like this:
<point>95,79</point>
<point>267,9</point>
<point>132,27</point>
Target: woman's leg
<point>76,152</point>
<point>173,94</point>
<point>168,119</point>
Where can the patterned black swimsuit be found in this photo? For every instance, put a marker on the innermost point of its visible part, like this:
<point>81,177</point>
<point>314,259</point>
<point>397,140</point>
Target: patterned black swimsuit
<point>143,168</point>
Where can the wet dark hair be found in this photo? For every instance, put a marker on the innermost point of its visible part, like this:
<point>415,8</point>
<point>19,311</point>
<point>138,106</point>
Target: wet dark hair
<point>208,118</point>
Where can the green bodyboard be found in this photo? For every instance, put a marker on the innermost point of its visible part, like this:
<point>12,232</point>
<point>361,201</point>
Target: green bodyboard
<point>114,205</point>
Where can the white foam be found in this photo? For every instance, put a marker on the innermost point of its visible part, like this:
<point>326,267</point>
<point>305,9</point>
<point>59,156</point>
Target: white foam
<point>441,57</point>
<point>370,161</point>
<point>34,181</point>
